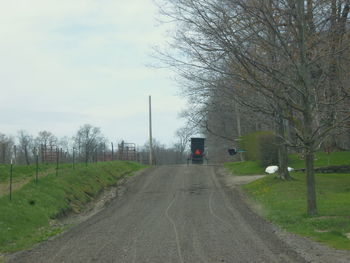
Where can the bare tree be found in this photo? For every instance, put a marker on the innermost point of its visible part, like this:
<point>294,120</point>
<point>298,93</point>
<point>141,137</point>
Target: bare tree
<point>45,141</point>
<point>6,145</point>
<point>25,145</point>
<point>183,136</point>
<point>88,139</point>
<point>279,51</point>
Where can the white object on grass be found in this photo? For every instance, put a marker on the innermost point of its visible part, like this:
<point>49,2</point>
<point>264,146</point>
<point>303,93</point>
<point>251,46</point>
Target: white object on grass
<point>271,169</point>
<point>274,168</point>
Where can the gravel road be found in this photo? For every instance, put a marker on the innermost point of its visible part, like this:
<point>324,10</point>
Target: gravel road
<point>182,214</point>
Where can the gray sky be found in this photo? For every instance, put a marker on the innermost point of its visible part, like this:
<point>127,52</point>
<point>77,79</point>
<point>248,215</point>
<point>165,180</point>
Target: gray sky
<point>65,63</point>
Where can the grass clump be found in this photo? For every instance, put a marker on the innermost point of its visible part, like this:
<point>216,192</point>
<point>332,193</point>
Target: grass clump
<point>26,219</point>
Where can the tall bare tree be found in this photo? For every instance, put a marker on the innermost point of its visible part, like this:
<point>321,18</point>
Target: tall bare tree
<point>279,50</point>
<point>183,136</point>
<point>44,141</point>
<point>25,141</point>
<point>88,138</point>
<point>6,148</point>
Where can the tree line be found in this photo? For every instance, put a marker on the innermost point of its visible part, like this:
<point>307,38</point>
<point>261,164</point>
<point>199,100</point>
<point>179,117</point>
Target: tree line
<point>87,145</point>
<point>23,148</point>
<point>281,65</point>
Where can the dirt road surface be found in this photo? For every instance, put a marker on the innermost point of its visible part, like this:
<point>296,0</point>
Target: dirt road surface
<point>180,214</point>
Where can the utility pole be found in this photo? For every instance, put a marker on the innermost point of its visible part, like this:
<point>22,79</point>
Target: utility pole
<point>112,151</point>
<point>150,132</point>
<point>239,130</point>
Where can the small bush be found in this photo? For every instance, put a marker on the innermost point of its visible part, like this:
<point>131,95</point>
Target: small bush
<point>268,150</point>
<point>251,144</point>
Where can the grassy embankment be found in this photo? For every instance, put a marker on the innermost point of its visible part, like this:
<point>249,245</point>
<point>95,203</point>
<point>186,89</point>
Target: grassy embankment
<point>26,219</point>
<point>284,203</point>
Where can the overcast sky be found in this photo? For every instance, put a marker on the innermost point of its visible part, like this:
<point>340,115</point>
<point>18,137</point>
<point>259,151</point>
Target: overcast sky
<point>65,63</point>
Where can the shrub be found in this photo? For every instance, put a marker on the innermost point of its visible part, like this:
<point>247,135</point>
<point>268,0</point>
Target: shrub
<point>268,150</point>
<point>260,146</point>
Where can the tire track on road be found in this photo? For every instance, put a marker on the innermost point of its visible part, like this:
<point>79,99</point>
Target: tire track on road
<point>175,229</point>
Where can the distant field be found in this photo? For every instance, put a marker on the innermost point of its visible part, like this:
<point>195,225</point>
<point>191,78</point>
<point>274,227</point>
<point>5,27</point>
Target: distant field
<point>284,203</point>
<point>26,219</point>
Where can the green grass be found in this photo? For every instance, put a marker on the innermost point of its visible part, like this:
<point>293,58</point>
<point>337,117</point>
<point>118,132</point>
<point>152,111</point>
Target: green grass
<point>25,220</point>
<point>244,168</point>
<point>322,159</point>
<point>284,203</point>
<point>22,171</point>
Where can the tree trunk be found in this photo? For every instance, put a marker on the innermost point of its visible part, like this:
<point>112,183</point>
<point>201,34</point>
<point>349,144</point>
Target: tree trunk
<point>86,155</point>
<point>309,103</point>
<point>282,150</point>
<point>283,162</point>
<point>310,183</point>
<point>3,153</point>
<point>309,144</point>
<point>26,155</point>
<point>309,162</point>
<point>43,153</point>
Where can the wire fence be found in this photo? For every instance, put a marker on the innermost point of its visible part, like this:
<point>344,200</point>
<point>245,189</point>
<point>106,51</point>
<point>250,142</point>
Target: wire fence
<point>85,153</point>
<point>55,158</point>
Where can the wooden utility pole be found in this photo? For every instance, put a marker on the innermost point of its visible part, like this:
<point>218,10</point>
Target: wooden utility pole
<point>112,151</point>
<point>11,171</point>
<point>150,132</point>
<point>239,130</point>
<point>37,165</point>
